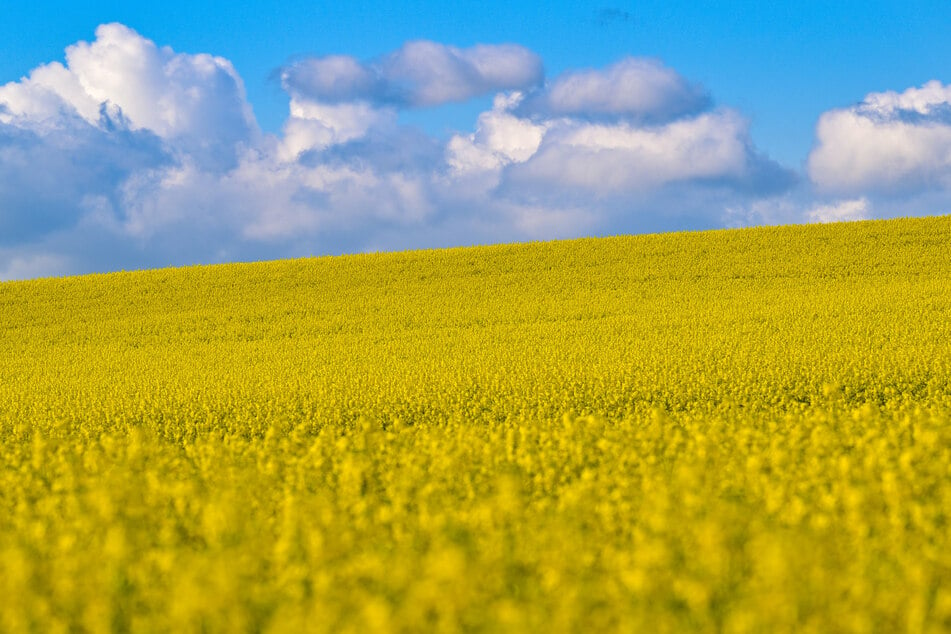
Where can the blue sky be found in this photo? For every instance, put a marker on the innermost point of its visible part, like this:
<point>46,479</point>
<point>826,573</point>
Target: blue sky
<point>148,192</point>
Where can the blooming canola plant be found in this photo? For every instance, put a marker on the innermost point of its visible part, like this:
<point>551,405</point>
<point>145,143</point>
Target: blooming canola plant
<point>735,431</point>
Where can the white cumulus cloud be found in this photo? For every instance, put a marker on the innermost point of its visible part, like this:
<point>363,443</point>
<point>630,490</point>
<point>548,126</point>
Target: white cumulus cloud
<point>610,158</point>
<point>637,89</point>
<point>420,73</point>
<point>501,138</point>
<point>197,102</point>
<point>890,142</point>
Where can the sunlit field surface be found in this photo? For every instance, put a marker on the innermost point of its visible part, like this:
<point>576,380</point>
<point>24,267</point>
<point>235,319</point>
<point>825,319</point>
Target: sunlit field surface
<point>730,431</point>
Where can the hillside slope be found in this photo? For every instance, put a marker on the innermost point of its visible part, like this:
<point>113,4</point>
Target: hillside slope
<point>745,430</point>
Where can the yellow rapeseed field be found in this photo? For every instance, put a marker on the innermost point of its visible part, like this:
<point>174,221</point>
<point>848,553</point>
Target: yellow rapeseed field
<point>728,431</point>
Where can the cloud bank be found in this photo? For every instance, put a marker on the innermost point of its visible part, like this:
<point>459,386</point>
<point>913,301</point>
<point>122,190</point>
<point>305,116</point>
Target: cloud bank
<point>132,155</point>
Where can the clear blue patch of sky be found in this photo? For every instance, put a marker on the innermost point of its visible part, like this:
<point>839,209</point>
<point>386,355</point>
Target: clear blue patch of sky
<point>781,65</point>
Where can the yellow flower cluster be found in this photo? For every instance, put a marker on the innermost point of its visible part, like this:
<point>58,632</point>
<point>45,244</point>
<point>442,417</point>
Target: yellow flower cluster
<point>729,431</point>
